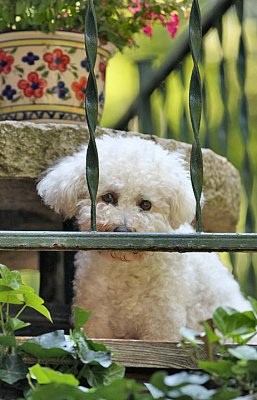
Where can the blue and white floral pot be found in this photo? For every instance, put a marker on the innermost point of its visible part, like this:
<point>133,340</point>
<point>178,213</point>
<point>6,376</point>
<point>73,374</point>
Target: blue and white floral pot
<point>43,76</point>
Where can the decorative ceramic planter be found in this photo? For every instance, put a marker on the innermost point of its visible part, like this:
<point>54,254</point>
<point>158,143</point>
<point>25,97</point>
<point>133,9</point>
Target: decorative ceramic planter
<point>43,76</point>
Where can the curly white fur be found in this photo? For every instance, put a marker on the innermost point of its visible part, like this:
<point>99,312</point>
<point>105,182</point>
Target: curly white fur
<point>139,295</point>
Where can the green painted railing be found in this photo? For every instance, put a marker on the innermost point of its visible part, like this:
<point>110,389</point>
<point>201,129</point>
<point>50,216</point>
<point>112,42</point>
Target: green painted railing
<point>61,241</point>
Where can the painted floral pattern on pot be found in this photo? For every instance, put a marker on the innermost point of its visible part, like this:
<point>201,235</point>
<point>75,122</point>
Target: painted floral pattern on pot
<point>43,77</point>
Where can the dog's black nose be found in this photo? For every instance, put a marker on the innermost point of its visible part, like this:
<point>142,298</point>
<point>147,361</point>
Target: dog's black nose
<point>122,228</point>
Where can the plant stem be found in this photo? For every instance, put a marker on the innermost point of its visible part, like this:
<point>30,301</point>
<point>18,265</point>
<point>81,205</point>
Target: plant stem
<point>2,322</point>
<point>21,311</point>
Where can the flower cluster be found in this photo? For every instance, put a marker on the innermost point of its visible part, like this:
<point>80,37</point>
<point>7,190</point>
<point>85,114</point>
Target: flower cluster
<point>150,14</point>
<point>117,20</point>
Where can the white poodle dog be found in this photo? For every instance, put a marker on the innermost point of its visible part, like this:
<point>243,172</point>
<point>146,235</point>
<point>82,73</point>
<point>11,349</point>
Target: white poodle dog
<point>133,294</point>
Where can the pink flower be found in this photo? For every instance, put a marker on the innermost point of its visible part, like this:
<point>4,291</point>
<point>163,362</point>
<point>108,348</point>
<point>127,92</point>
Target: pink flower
<point>173,25</point>
<point>148,30</point>
<point>136,9</point>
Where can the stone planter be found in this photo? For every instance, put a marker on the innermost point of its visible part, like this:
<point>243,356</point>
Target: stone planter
<point>43,76</point>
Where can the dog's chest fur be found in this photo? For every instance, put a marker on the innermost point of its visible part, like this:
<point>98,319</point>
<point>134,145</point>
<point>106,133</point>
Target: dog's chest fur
<point>128,295</point>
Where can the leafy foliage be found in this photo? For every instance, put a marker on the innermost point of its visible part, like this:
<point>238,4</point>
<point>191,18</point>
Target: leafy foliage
<point>80,359</point>
<point>83,369</point>
<point>116,22</point>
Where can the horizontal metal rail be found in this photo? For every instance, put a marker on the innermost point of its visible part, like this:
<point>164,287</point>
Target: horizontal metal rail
<point>70,241</point>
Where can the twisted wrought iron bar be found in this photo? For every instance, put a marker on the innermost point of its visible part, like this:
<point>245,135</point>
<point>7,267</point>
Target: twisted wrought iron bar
<point>195,106</point>
<point>91,109</point>
<point>223,131</point>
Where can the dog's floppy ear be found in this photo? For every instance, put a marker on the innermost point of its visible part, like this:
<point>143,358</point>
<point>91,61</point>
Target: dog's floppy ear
<point>182,199</point>
<point>64,184</point>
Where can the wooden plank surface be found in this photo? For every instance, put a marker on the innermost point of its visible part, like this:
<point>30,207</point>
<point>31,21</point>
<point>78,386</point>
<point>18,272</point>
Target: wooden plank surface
<point>146,354</point>
<point>138,354</point>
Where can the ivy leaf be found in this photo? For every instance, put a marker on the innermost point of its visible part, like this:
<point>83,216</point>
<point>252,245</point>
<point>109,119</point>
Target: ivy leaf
<point>157,380</point>
<point>99,376</point>
<point>11,279</point>
<point>156,393</point>
<point>183,378</point>
<point>228,394</point>
<point>244,352</point>
<point>193,337</point>
<point>16,324</point>
<point>231,322</point>
<point>13,369</point>
<point>45,375</point>
<point>88,356</point>
<point>59,392</point>
<point>211,335</point>
<point>253,303</point>
<point>220,369</point>
<point>53,344</point>
<point>195,392</point>
<point>80,317</point>
<point>8,341</point>
<point>9,297</point>
<point>36,302</point>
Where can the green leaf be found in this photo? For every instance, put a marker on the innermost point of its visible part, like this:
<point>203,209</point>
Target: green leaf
<point>89,356</point>
<point>156,393</point>
<point>183,378</point>
<point>231,322</point>
<point>227,394</point>
<point>123,389</point>
<point>13,369</point>
<point>36,302</point>
<point>16,324</point>
<point>10,278</point>
<point>99,376</point>
<point>45,375</point>
<point>221,368</point>
<point>244,352</point>
<point>253,303</point>
<point>211,335</point>
<point>157,380</point>
<point>8,297</point>
<point>192,336</point>
<point>58,392</point>
<point>7,340</point>
<point>53,344</point>
<point>196,392</point>
<point>80,317</point>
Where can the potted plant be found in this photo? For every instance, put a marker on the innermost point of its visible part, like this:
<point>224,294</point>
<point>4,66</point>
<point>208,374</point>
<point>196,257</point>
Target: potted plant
<point>43,66</point>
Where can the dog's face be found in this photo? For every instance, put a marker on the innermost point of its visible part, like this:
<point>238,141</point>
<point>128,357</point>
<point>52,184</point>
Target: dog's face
<point>142,188</point>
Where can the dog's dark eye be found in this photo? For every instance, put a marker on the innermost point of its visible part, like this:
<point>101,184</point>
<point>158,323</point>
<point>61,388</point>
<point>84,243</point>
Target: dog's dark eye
<point>145,205</point>
<point>109,198</point>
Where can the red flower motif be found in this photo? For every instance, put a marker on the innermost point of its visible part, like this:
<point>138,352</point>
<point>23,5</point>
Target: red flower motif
<point>102,69</point>
<point>6,62</point>
<point>34,86</point>
<point>79,88</point>
<point>57,60</point>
